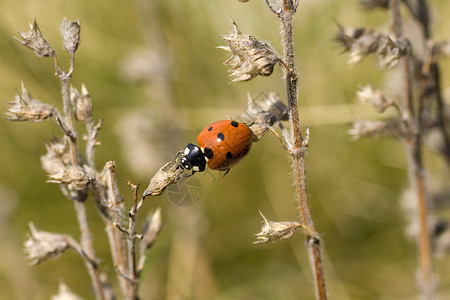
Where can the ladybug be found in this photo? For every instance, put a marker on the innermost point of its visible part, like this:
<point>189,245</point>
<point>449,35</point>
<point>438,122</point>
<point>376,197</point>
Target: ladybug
<point>221,145</point>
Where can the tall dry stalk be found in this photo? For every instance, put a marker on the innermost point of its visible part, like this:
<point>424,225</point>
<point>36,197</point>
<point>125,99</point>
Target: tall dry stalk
<point>77,178</point>
<point>420,108</point>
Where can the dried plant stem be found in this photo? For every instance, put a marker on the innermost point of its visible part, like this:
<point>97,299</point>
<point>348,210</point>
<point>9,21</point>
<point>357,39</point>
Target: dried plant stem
<point>134,280</point>
<point>86,235</point>
<point>413,147</point>
<point>299,146</point>
<point>87,246</point>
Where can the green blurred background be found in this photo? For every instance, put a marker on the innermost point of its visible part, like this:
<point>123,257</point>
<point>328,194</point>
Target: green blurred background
<point>156,77</point>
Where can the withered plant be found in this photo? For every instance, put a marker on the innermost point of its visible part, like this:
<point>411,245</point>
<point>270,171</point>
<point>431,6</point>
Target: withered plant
<point>419,106</point>
<point>73,169</point>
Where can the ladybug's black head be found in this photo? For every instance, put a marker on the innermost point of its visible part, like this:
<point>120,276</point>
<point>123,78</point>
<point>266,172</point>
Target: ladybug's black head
<point>193,158</point>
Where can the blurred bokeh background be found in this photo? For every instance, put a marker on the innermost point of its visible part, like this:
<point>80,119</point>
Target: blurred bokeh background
<point>156,77</point>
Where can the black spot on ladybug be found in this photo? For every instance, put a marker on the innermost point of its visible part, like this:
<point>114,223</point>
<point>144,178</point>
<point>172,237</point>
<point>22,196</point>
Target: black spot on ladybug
<point>229,155</point>
<point>220,137</point>
<point>234,124</point>
<point>208,153</point>
<point>210,128</point>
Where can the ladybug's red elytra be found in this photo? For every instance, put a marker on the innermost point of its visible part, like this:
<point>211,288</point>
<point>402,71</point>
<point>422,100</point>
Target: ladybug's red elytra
<point>221,145</point>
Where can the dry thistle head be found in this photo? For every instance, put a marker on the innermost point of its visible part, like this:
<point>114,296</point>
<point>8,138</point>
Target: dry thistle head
<point>167,174</point>
<point>262,112</point>
<point>70,31</point>
<point>25,108</point>
<point>249,57</point>
<point>152,227</point>
<point>35,41</point>
<point>75,176</point>
<point>359,42</point>
<point>42,245</point>
<point>64,293</point>
<point>273,231</point>
<point>58,155</point>
<point>367,94</point>
<point>362,129</point>
<point>82,104</point>
<point>389,52</point>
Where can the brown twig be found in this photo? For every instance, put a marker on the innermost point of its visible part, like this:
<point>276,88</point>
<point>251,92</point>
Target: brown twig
<point>299,146</point>
<point>413,147</point>
<point>86,235</point>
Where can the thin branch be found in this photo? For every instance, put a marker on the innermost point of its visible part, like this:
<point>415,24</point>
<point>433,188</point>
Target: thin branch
<point>299,146</point>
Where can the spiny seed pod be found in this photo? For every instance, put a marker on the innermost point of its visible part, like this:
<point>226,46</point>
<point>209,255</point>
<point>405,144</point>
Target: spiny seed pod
<point>42,245</point>
<point>70,31</point>
<point>249,57</point>
<point>82,104</point>
<point>273,231</point>
<point>35,41</point>
<point>57,157</point>
<point>359,42</point>
<point>75,176</point>
<point>167,174</point>
<point>362,129</point>
<point>25,108</point>
<point>389,52</point>
<point>367,94</point>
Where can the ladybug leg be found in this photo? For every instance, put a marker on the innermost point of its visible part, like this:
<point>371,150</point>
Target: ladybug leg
<point>226,172</point>
<point>286,147</point>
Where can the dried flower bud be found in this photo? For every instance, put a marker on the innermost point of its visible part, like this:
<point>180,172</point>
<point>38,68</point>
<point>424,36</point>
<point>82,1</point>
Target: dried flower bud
<point>35,41</point>
<point>249,57</point>
<point>75,176</point>
<point>367,129</point>
<point>42,245</point>
<point>367,94</point>
<point>358,41</point>
<point>262,112</point>
<point>390,52</point>
<point>167,174</point>
<point>57,157</point>
<point>65,293</point>
<point>82,104</point>
<point>273,231</point>
<point>371,4</point>
<point>70,31</point>
<point>152,227</point>
<point>25,108</point>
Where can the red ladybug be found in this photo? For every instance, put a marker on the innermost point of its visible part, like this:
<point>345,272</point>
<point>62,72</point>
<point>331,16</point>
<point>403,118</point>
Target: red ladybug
<point>222,145</point>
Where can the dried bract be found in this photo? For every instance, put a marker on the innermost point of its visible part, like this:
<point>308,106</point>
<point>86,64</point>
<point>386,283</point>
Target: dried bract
<point>42,245</point>
<point>362,129</point>
<point>359,42</point>
<point>249,57</point>
<point>35,41</point>
<point>82,104</point>
<point>390,52</point>
<point>25,108</point>
<point>70,31</point>
<point>72,175</point>
<point>273,231</point>
<point>65,293</point>
<point>367,94</point>
<point>152,227</point>
<point>262,112</point>
<point>57,157</point>
<point>167,174</point>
